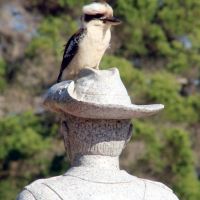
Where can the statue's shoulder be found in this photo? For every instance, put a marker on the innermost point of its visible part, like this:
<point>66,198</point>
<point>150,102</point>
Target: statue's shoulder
<point>40,190</point>
<point>157,190</point>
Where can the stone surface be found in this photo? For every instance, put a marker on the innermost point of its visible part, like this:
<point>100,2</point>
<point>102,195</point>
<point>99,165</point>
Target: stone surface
<point>95,137</point>
<point>94,140</point>
<point>94,146</point>
<point>97,178</point>
<point>96,94</point>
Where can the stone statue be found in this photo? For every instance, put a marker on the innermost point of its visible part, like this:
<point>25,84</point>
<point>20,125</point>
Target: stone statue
<point>95,110</point>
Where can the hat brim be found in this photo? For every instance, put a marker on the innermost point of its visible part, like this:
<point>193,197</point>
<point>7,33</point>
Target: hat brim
<point>60,99</point>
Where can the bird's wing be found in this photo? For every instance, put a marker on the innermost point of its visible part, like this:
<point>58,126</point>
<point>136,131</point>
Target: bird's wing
<point>70,50</point>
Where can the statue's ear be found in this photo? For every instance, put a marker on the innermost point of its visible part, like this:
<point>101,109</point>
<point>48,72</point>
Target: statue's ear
<point>129,135</point>
<point>64,128</point>
<point>65,134</point>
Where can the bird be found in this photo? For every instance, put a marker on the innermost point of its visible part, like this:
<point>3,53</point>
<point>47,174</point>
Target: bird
<point>87,46</point>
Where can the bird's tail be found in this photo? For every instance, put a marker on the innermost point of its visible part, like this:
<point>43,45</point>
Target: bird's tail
<point>59,77</point>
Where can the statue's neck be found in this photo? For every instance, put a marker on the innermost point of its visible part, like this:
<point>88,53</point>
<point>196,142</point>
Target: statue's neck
<point>98,169</point>
<point>97,162</point>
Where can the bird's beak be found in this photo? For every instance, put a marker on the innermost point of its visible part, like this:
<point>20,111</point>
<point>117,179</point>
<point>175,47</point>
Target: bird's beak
<point>112,21</point>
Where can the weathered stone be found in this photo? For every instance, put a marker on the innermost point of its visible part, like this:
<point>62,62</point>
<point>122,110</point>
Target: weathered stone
<point>96,94</point>
<point>94,143</point>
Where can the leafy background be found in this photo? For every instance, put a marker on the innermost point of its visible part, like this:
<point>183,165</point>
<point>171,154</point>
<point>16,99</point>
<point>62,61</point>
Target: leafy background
<point>156,50</point>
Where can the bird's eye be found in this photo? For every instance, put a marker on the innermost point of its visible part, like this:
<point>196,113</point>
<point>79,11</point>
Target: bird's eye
<point>99,16</point>
<point>88,18</point>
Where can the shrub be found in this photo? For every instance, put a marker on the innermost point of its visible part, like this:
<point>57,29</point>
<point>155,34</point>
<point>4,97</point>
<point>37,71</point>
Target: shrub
<point>179,163</point>
<point>163,88</point>
<point>2,75</point>
<point>151,161</point>
<point>52,35</point>
<point>21,136</point>
<point>72,4</point>
<point>167,156</point>
<point>161,29</point>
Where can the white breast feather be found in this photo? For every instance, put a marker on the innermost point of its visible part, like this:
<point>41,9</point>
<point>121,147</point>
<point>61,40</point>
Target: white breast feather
<point>91,49</point>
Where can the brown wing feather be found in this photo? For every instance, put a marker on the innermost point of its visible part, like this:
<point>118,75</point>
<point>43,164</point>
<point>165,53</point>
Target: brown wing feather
<point>70,51</point>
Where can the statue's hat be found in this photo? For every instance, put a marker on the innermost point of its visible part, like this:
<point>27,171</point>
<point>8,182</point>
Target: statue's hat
<point>96,94</point>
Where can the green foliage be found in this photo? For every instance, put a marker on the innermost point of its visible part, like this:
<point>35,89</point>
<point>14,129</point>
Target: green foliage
<point>179,163</point>
<point>187,187</point>
<point>164,88</point>
<point>165,37</point>
<point>2,75</point>
<point>178,153</point>
<point>151,159</point>
<point>159,87</point>
<point>179,62</point>
<point>53,33</point>
<point>26,143</point>
<point>170,154</point>
<point>193,102</point>
<point>162,29</point>
<point>21,136</point>
<point>138,15</point>
<point>71,3</point>
<point>7,186</point>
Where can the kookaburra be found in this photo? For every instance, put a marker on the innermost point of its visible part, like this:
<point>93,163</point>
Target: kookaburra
<point>87,46</point>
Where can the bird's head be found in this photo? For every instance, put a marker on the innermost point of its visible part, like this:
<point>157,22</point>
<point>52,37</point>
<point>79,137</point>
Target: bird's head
<point>99,14</point>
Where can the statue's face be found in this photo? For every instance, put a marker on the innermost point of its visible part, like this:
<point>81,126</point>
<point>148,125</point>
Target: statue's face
<point>94,136</point>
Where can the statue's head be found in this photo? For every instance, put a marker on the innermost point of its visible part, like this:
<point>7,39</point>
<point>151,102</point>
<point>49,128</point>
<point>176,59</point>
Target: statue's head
<point>95,136</point>
<point>96,111</point>
<point>99,15</point>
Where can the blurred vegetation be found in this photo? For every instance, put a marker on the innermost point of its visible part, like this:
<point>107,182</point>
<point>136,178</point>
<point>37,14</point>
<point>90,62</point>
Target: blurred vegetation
<point>50,38</point>
<point>2,75</point>
<point>157,54</point>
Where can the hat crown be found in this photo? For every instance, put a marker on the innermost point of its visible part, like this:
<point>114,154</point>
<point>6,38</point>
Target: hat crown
<point>100,86</point>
